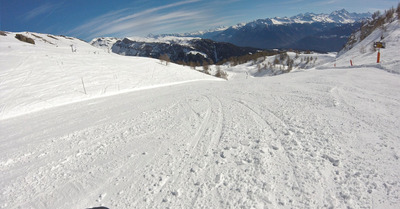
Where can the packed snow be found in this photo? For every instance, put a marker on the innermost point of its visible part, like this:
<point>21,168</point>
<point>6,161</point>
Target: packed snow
<point>300,140</point>
<point>324,137</point>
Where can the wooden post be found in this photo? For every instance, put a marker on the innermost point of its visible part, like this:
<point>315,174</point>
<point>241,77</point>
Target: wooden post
<point>351,62</point>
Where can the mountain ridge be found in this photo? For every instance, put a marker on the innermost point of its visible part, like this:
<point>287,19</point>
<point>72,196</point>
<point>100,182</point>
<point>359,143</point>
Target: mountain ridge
<point>296,32</point>
<point>339,16</point>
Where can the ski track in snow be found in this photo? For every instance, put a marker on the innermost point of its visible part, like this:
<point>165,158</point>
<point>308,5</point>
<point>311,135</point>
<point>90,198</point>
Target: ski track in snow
<point>315,139</point>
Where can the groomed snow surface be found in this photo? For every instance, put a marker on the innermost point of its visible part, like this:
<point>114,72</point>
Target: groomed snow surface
<point>310,139</point>
<point>303,140</point>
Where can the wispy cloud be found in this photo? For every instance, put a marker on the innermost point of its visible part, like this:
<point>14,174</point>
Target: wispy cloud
<point>47,8</point>
<point>154,23</point>
<point>124,22</point>
<point>180,16</point>
<point>323,3</point>
<point>291,2</point>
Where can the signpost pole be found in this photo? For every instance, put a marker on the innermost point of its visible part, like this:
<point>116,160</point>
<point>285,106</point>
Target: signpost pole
<point>379,56</point>
<point>379,46</point>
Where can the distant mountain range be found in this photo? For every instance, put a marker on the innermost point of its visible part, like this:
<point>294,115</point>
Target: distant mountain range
<point>309,31</point>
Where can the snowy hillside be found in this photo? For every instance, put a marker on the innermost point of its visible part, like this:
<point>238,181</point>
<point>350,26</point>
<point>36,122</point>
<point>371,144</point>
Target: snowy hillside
<point>107,42</point>
<point>49,73</point>
<point>104,43</point>
<point>362,54</point>
<point>182,50</point>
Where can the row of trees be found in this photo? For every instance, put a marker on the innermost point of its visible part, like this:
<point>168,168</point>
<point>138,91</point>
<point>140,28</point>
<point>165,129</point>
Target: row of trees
<point>246,58</point>
<point>233,60</point>
<point>283,60</point>
<point>378,21</point>
<point>283,63</point>
<point>24,38</point>
<point>164,58</point>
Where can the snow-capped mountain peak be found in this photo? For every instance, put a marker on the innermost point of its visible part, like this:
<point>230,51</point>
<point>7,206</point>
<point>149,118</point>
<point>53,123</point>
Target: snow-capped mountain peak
<point>343,16</point>
<point>338,16</point>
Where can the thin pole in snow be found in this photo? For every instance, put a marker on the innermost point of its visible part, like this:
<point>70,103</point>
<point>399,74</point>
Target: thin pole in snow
<point>83,84</point>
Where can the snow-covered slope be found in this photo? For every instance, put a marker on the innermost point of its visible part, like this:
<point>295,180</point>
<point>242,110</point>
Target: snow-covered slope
<point>49,73</point>
<point>184,50</point>
<point>363,54</point>
<point>107,42</point>
<point>104,43</point>
<point>313,139</point>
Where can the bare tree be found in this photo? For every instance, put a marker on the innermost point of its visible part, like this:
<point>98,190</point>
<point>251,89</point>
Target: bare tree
<point>165,58</point>
<point>205,68</point>
<point>221,74</point>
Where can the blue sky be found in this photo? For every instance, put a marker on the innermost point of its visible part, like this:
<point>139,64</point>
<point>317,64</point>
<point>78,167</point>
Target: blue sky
<point>87,19</point>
